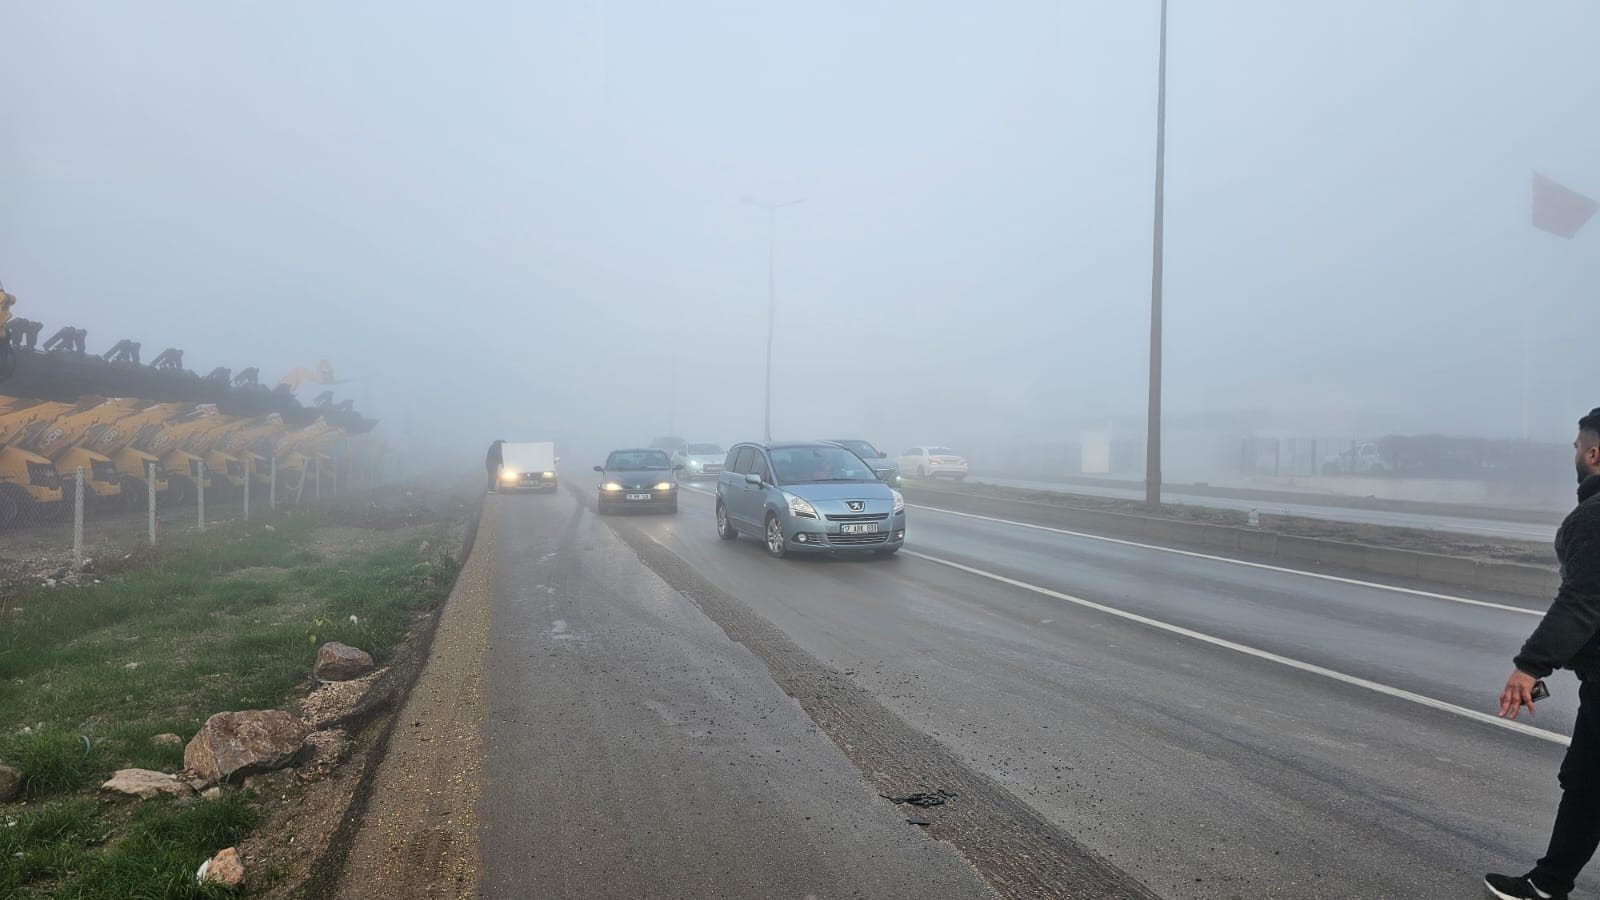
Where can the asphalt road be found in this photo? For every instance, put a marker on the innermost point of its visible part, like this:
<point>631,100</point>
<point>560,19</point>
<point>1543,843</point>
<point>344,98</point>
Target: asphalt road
<point>1211,729</point>
<point>1462,525</point>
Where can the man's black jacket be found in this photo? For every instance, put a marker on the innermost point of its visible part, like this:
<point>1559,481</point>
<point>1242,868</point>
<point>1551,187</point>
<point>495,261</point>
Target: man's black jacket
<point>1569,635</point>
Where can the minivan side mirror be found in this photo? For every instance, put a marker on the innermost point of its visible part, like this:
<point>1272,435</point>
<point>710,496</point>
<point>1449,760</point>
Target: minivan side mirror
<point>752,478</point>
<point>600,469</point>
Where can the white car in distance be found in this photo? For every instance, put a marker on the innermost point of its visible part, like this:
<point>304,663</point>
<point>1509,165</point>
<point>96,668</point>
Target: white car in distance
<point>933,462</point>
<point>701,461</point>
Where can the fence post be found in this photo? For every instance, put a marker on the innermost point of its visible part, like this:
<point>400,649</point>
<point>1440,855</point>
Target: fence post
<point>249,476</point>
<point>151,485</point>
<point>272,485</point>
<point>317,490</point>
<point>77,524</point>
<point>200,485</point>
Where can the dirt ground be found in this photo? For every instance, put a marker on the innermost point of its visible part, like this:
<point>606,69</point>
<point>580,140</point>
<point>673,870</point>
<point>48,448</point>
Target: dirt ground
<point>418,834</point>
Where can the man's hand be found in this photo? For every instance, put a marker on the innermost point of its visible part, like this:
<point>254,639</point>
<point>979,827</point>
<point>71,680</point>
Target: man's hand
<point>1518,693</point>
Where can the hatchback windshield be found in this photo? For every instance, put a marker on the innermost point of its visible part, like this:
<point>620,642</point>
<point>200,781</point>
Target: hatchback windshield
<point>638,459</point>
<point>705,449</point>
<point>808,465</point>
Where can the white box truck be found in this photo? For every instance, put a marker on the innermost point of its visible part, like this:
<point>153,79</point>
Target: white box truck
<point>528,466</point>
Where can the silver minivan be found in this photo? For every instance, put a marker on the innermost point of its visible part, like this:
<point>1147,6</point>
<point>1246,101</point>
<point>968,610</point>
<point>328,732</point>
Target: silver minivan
<point>808,498</point>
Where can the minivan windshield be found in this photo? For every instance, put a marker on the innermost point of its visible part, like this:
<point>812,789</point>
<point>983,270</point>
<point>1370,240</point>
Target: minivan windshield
<point>638,460</point>
<point>860,448</point>
<point>819,464</point>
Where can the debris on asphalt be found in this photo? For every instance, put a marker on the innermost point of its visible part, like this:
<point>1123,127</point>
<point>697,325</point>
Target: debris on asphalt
<point>924,800</point>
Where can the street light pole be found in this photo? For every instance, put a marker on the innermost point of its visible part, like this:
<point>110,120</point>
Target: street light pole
<point>772,289</point>
<point>1152,473</point>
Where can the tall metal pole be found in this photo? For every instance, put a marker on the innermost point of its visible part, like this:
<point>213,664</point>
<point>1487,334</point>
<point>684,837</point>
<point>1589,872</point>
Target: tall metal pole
<point>772,308</point>
<point>772,291</point>
<point>1152,473</point>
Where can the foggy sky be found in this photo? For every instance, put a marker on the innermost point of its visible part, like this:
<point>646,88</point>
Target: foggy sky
<point>510,221</point>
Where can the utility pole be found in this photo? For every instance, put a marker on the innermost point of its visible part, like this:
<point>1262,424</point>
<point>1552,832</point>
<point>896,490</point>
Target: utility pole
<point>1152,453</point>
<point>772,289</point>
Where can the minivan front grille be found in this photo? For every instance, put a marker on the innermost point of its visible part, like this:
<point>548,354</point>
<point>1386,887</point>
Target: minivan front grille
<point>858,517</point>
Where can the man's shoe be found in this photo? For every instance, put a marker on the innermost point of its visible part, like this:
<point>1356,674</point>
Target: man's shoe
<point>1520,888</point>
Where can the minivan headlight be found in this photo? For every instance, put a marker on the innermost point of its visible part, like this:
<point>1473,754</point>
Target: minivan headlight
<point>899,501</point>
<point>798,506</point>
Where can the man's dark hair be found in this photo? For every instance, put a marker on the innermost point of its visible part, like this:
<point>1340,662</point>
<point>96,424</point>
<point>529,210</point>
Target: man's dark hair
<point>1591,422</point>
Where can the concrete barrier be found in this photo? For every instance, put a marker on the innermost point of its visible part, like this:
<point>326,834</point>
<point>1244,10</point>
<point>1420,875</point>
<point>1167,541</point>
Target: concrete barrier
<point>1507,578</point>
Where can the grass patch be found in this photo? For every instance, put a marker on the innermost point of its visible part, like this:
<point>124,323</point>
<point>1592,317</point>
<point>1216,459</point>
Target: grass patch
<point>93,673</point>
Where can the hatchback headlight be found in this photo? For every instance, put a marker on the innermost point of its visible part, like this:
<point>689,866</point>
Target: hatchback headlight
<point>799,507</point>
<point>664,486</point>
<point>508,475</point>
<point>899,501</point>
<point>611,486</point>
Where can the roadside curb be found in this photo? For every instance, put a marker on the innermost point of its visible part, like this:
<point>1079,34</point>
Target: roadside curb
<point>1506,578</point>
<point>386,697</point>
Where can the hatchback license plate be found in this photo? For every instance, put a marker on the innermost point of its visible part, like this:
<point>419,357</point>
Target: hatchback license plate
<point>638,496</point>
<point>861,528</point>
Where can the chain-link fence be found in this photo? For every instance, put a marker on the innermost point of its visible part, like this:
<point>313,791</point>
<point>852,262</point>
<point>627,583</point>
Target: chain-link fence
<point>58,518</point>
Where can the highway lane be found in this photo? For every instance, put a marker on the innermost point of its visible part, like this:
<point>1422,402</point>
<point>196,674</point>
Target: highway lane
<point>633,750</point>
<point>1522,531</point>
<point>1203,771</point>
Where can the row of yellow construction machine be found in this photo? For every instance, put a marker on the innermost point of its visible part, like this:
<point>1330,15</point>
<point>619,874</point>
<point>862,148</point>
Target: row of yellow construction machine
<point>126,425</point>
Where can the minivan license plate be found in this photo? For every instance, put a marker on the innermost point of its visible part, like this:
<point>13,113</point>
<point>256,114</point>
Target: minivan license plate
<point>862,528</point>
<point>638,496</point>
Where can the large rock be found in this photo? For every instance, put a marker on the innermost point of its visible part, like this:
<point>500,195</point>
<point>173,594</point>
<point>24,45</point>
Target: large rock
<point>232,745</point>
<point>226,868</point>
<point>144,784</point>
<point>10,783</point>
<point>341,662</point>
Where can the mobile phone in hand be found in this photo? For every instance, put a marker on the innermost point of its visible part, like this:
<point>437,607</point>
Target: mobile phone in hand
<point>1540,691</point>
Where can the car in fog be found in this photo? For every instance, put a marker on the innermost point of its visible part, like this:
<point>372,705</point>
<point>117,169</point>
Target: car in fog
<point>637,479</point>
<point>888,469</point>
<point>933,462</point>
<point>808,498</point>
<point>702,461</point>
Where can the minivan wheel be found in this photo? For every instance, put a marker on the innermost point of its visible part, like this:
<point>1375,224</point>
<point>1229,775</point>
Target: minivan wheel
<point>775,542</point>
<point>725,529</point>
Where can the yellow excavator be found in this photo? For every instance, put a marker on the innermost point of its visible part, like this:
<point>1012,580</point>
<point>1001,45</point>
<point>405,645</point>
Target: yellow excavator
<point>299,456</point>
<point>58,436</point>
<point>116,438</point>
<point>249,440</point>
<point>29,485</point>
<point>165,440</point>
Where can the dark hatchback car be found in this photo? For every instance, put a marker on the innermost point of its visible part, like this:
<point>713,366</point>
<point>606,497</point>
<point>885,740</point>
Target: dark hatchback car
<point>637,479</point>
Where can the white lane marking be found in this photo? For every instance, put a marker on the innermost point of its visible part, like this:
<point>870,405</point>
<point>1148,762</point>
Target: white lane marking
<point>1314,669</point>
<point>1240,562</point>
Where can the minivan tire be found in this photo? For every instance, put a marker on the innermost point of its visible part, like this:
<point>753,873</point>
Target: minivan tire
<point>725,529</point>
<point>772,538</point>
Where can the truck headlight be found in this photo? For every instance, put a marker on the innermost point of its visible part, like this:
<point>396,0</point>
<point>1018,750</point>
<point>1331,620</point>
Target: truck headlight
<point>799,507</point>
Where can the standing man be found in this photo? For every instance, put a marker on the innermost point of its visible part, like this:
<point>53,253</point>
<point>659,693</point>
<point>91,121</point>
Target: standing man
<point>492,463</point>
<point>1566,639</point>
